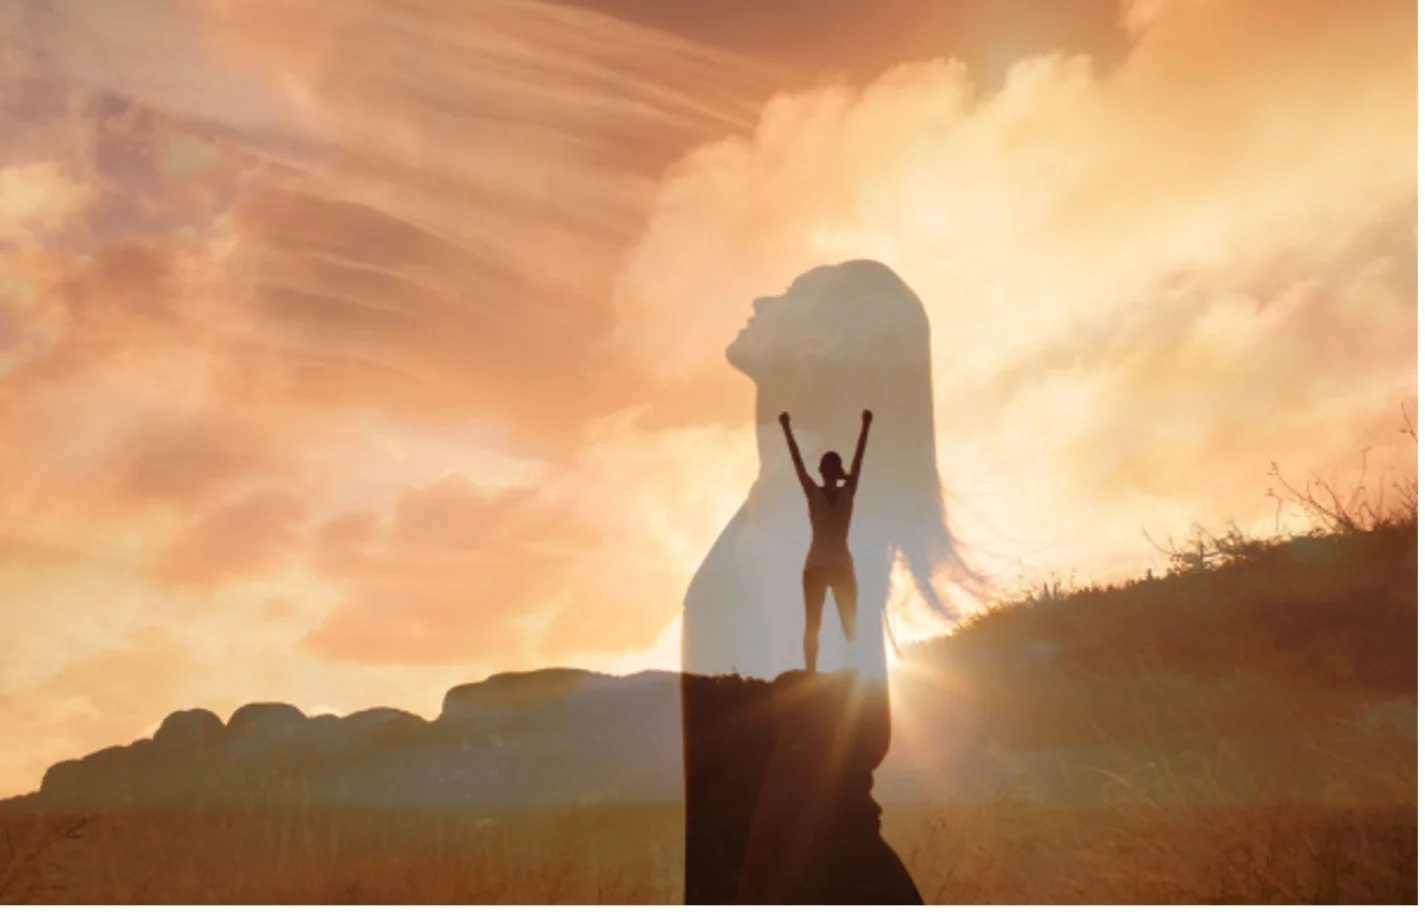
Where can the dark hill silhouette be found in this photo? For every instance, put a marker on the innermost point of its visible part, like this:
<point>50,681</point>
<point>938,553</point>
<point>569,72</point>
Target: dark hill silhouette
<point>545,738</point>
<point>188,726</point>
<point>546,687</point>
<point>1262,653</point>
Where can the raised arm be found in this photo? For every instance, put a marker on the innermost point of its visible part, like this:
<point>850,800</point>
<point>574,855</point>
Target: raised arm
<point>860,449</point>
<point>802,475</point>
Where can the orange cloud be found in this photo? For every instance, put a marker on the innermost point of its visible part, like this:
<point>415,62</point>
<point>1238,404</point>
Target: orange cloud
<point>456,573</point>
<point>37,201</point>
<point>246,538</point>
<point>585,561</point>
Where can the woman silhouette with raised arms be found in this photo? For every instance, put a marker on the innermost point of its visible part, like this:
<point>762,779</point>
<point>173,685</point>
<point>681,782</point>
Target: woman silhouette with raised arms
<point>829,563</point>
<point>843,334</point>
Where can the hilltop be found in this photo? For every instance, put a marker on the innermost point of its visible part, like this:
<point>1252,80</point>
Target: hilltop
<point>1265,647</point>
<point>1254,668</point>
<point>1334,611</point>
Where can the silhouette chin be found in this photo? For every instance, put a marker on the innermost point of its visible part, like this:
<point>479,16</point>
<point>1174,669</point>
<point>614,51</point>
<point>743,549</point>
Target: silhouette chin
<point>755,357</point>
<point>742,355</point>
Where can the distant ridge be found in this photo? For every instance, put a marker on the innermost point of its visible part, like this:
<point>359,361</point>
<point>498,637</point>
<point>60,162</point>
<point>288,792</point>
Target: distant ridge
<point>550,737</point>
<point>1264,656</point>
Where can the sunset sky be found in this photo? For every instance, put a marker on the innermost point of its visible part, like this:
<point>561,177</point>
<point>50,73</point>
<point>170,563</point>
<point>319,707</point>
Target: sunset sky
<point>353,349</point>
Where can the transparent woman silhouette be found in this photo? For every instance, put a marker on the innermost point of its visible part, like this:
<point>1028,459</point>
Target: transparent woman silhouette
<point>841,337</point>
<point>829,564</point>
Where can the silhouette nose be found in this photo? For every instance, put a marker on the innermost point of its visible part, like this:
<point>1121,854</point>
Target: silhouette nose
<point>758,304</point>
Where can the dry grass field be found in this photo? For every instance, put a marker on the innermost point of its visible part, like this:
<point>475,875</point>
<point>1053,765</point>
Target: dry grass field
<point>1000,852</point>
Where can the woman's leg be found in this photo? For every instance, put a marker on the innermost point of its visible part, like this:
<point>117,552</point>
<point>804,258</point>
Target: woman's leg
<point>844,591</point>
<point>814,586</point>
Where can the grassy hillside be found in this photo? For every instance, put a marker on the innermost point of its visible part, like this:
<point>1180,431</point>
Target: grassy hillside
<point>1333,610</point>
<point>1255,671</point>
<point>1242,638</point>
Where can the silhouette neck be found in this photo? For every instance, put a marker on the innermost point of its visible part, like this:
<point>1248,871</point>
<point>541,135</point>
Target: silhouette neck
<point>821,417</point>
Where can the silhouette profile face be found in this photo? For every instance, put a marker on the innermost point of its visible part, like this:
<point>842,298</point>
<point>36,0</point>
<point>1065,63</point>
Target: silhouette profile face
<point>789,326</point>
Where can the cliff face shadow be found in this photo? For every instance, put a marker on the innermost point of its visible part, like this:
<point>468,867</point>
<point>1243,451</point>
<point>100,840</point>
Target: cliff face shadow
<point>778,791</point>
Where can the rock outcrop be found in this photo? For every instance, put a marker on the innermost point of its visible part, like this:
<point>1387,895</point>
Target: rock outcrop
<point>554,737</point>
<point>563,737</point>
<point>189,727</point>
<point>779,778</point>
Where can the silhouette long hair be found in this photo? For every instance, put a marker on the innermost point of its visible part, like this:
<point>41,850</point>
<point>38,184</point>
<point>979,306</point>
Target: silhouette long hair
<point>870,348</point>
<point>842,338</point>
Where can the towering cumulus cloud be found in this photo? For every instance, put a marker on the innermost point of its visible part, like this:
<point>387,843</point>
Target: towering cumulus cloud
<point>1145,283</point>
